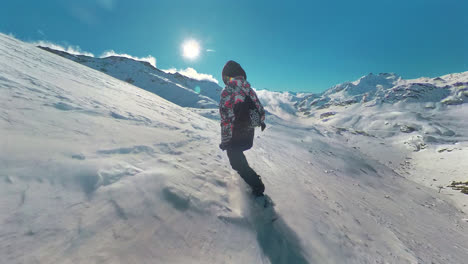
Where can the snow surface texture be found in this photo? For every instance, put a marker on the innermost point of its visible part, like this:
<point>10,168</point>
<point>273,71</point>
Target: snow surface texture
<point>96,170</point>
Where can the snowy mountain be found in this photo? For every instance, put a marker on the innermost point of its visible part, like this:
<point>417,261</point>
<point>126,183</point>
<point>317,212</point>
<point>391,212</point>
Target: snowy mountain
<point>384,88</point>
<point>383,105</point>
<point>386,105</point>
<point>95,169</point>
<point>370,90</point>
<point>175,87</point>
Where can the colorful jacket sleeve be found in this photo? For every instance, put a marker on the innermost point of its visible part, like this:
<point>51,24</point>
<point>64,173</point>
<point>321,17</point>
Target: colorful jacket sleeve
<point>254,98</point>
<point>226,112</point>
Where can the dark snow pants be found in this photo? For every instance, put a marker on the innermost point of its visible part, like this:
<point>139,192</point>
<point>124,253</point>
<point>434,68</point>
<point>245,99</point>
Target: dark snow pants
<point>239,163</point>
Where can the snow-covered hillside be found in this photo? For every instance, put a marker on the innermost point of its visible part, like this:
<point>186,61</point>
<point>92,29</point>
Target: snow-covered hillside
<point>415,113</point>
<point>422,124</point>
<point>96,170</point>
<point>370,91</point>
<point>385,88</point>
<point>175,87</point>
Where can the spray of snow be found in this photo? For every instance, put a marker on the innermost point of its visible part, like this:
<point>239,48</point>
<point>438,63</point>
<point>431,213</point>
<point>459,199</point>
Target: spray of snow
<point>150,59</point>
<point>192,73</point>
<point>74,50</point>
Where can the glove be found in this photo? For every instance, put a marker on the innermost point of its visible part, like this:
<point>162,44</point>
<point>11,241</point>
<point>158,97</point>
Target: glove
<point>224,145</point>
<point>263,126</point>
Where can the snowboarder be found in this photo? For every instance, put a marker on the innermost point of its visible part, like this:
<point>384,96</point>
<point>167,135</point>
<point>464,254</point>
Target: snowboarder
<point>241,112</point>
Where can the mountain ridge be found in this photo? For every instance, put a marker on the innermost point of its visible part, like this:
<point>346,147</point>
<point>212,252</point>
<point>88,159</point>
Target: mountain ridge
<point>175,87</point>
<point>369,90</point>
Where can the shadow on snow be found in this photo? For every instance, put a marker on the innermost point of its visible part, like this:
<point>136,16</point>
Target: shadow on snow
<point>279,243</point>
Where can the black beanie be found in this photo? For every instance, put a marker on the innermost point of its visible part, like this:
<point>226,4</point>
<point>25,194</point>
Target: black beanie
<point>233,69</point>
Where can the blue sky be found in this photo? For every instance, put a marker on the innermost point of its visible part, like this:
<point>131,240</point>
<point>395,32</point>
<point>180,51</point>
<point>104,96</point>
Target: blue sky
<point>283,45</point>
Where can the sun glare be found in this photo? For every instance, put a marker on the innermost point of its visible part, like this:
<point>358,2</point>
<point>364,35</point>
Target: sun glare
<point>191,49</point>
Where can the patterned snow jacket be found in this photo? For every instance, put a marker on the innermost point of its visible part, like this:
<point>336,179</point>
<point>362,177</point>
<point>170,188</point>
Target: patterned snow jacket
<point>240,112</point>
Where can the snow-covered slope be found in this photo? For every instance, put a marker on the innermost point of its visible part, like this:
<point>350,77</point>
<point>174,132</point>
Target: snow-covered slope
<point>423,122</point>
<point>418,112</point>
<point>175,87</point>
<point>96,170</point>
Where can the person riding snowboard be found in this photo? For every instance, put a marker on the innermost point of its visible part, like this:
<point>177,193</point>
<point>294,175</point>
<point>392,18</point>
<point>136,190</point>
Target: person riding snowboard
<point>241,112</point>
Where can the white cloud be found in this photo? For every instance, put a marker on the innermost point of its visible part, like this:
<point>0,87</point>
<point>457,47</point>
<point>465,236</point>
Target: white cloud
<point>210,50</point>
<point>150,59</point>
<point>74,50</point>
<point>192,73</point>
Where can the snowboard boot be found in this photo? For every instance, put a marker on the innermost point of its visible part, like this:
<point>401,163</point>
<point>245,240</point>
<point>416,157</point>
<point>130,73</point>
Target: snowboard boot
<point>258,189</point>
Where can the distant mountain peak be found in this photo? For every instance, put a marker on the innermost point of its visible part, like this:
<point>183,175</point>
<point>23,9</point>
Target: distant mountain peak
<point>384,79</point>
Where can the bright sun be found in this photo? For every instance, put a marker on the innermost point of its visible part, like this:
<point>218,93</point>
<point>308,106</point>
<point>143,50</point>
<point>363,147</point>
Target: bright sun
<point>191,49</point>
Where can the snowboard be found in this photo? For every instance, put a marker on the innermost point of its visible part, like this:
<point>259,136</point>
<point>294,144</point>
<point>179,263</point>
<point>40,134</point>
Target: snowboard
<point>263,209</point>
<point>256,210</point>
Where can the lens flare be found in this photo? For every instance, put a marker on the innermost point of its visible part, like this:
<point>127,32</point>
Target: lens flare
<point>191,49</point>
